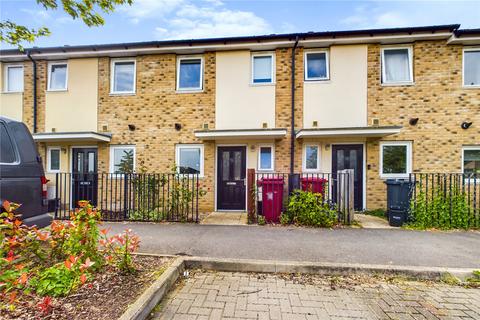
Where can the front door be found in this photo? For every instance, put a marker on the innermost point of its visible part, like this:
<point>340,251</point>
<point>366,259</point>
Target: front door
<point>84,175</point>
<point>350,156</point>
<point>231,171</point>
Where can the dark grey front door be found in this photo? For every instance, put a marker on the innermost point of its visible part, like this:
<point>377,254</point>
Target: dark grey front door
<point>84,175</point>
<point>231,171</point>
<point>350,156</point>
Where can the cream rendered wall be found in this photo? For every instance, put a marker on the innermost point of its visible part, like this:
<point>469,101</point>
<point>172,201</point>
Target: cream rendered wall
<point>11,104</point>
<point>238,103</point>
<point>75,109</point>
<point>342,100</point>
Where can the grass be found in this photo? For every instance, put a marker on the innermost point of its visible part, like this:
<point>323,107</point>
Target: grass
<point>377,213</point>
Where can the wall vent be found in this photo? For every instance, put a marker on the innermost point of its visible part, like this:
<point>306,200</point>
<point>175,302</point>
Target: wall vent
<point>205,126</point>
<point>375,122</point>
<point>264,125</point>
<point>315,124</point>
<point>105,128</point>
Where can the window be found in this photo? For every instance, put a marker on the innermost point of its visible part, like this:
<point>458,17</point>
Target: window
<point>262,68</point>
<point>13,78</point>
<point>122,159</point>
<point>395,159</point>
<point>190,73</point>
<point>311,157</point>
<point>397,65</point>
<point>266,158</point>
<point>189,159</point>
<point>7,152</point>
<point>471,67</point>
<point>316,65</point>
<point>123,76</point>
<point>53,159</point>
<point>471,160</point>
<point>57,76</point>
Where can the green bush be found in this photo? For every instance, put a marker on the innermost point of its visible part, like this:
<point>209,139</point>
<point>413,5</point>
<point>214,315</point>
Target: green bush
<point>285,219</point>
<point>261,220</point>
<point>441,210</point>
<point>309,209</point>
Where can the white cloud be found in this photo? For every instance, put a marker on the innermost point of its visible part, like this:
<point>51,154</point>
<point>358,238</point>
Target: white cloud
<point>40,14</point>
<point>364,18</point>
<point>142,9</point>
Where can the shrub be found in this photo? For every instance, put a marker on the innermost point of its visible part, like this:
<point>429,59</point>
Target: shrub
<point>309,209</point>
<point>285,218</point>
<point>440,209</point>
<point>261,220</point>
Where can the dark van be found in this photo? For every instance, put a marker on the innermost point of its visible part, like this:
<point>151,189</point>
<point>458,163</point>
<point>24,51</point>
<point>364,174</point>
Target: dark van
<point>22,179</point>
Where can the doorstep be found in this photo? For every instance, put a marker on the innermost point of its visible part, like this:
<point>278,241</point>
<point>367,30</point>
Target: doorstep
<point>226,218</point>
<point>372,222</point>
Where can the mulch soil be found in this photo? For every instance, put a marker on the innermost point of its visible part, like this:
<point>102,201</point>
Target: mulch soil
<point>105,297</point>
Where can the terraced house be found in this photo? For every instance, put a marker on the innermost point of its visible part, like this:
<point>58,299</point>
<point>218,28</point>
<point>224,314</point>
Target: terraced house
<point>383,102</point>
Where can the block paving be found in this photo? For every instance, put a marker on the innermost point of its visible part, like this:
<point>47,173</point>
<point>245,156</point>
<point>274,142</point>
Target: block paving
<point>227,295</point>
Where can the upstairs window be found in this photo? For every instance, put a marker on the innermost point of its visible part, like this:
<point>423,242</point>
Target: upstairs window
<point>395,159</point>
<point>189,159</point>
<point>122,159</point>
<point>189,74</point>
<point>471,160</point>
<point>13,78</point>
<point>397,65</point>
<point>311,158</point>
<point>123,76</point>
<point>471,67</point>
<point>57,76</point>
<point>262,68</point>
<point>316,66</point>
<point>265,158</point>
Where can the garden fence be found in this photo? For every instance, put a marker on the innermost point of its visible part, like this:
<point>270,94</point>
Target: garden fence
<point>445,200</point>
<point>134,197</point>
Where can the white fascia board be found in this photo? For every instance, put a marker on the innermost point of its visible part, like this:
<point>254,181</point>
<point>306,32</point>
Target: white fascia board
<point>88,136</point>
<point>213,135</point>
<point>347,132</point>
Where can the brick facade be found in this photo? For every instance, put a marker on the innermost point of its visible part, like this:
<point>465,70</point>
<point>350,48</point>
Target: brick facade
<point>440,102</point>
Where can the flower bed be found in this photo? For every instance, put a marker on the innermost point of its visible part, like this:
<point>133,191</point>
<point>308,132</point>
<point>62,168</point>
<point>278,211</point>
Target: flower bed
<point>46,272</point>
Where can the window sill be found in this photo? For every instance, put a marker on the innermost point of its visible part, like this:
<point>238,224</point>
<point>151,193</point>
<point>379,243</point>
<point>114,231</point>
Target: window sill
<point>326,80</point>
<point>57,90</point>
<point>53,171</point>
<point>476,86</point>
<point>113,94</point>
<point>262,84</point>
<point>12,92</point>
<point>394,176</point>
<point>398,84</point>
<point>180,91</point>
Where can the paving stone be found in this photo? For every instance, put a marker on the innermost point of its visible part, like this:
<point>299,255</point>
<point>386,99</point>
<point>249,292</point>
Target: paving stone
<point>229,296</point>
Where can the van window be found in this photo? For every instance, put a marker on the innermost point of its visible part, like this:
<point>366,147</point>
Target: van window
<point>7,154</point>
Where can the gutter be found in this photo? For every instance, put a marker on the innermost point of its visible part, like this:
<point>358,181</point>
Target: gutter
<point>292,124</point>
<point>34,91</point>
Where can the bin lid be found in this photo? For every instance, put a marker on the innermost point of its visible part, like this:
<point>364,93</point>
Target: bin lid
<point>270,181</point>
<point>396,181</point>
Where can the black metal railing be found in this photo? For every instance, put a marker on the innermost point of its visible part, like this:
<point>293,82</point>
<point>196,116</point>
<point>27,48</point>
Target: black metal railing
<point>272,192</point>
<point>445,200</point>
<point>133,197</point>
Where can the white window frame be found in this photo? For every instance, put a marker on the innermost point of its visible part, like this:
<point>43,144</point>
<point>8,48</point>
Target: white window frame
<point>122,146</point>
<point>5,77</point>
<point>305,65</point>
<point>180,146</point>
<point>252,58</point>
<point>202,66</point>
<point>56,63</point>
<point>49,159</point>
<point>408,144</point>
<point>112,76</point>
<point>463,68</point>
<point>272,157</point>
<point>463,161</point>
<point>304,157</point>
<point>410,65</point>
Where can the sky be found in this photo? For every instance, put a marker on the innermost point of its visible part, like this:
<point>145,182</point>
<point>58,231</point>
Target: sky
<point>148,20</point>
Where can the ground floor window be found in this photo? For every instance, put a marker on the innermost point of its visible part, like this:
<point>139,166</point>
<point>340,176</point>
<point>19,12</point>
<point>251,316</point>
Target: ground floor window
<point>311,157</point>
<point>122,159</point>
<point>471,160</point>
<point>266,158</point>
<point>395,159</point>
<point>189,158</point>
<point>53,159</point>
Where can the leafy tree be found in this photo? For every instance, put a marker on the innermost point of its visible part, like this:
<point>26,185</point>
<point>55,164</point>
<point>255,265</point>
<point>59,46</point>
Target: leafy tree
<point>87,10</point>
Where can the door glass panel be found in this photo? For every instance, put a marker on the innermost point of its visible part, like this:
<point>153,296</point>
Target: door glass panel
<point>80,162</point>
<point>340,160</point>
<point>353,163</point>
<point>91,162</point>
<point>237,169</point>
<point>225,166</point>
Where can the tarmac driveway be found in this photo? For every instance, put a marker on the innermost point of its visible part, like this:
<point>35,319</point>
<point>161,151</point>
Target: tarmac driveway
<point>367,246</point>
